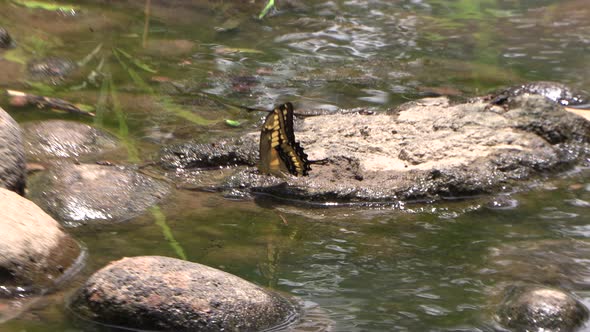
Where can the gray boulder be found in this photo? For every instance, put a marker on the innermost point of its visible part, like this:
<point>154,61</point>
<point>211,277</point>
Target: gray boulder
<point>64,139</point>
<point>427,150</point>
<point>166,294</point>
<point>538,309</point>
<point>35,253</point>
<point>88,193</point>
<point>12,157</point>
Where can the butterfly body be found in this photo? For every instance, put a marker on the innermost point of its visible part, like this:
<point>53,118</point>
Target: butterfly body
<point>280,154</point>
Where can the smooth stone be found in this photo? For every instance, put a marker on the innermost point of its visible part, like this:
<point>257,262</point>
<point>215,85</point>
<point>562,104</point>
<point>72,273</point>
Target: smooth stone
<point>35,253</point>
<point>64,139</point>
<point>12,156</point>
<point>167,294</point>
<point>88,193</point>
<point>537,308</point>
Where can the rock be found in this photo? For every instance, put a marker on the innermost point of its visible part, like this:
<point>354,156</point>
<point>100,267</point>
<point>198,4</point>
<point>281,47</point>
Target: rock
<point>52,69</point>
<point>87,194</point>
<point>428,149</point>
<point>35,254</point>
<point>5,39</point>
<point>167,294</point>
<point>64,139</point>
<point>203,155</point>
<point>12,157</point>
<point>553,91</point>
<point>537,308</point>
<point>502,203</point>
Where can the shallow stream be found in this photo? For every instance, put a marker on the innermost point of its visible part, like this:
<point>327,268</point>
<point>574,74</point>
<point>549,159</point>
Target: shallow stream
<point>171,74</point>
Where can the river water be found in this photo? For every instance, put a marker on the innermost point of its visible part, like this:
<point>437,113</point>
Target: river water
<point>415,267</point>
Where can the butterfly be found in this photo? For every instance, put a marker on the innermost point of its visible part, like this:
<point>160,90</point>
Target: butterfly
<point>280,154</point>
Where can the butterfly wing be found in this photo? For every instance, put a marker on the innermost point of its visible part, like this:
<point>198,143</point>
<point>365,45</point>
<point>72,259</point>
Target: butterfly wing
<point>279,152</point>
<point>270,141</point>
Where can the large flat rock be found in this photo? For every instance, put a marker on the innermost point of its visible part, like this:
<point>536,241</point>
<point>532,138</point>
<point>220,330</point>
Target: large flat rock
<point>429,149</point>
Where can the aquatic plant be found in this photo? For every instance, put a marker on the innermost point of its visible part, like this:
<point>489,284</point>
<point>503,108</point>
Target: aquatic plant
<point>160,219</point>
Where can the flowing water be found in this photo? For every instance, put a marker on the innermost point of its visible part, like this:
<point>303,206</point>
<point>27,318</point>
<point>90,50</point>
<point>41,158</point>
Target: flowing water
<point>164,72</point>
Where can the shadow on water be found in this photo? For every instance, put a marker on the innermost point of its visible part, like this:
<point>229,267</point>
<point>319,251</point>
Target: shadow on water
<point>417,267</point>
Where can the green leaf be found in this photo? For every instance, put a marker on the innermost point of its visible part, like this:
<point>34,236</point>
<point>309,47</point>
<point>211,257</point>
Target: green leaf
<point>232,123</point>
<point>167,231</point>
<point>136,61</point>
<point>32,4</point>
<point>16,55</point>
<point>269,5</point>
<point>229,50</point>
<point>41,88</point>
<point>170,106</point>
<point>132,151</point>
<point>85,108</point>
<point>135,77</point>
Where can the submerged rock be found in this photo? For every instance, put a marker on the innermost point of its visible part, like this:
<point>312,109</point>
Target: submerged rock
<point>549,262</point>
<point>12,157</point>
<point>428,149</point>
<point>64,139</point>
<point>35,254</point>
<point>88,194</point>
<point>167,294</point>
<point>537,308</point>
<point>52,69</point>
<point>5,39</point>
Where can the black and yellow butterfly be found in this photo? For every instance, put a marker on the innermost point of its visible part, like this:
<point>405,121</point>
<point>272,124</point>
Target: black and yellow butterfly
<point>279,152</point>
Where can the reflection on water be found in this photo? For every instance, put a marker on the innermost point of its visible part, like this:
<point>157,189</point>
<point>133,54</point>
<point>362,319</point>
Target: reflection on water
<point>417,268</point>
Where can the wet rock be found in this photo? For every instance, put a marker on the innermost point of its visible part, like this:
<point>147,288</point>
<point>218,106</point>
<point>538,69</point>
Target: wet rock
<point>166,294</point>
<point>52,69</point>
<point>64,139</point>
<point>5,39</point>
<point>502,203</point>
<point>204,155</point>
<point>88,194</point>
<point>12,157</point>
<point>35,254</point>
<point>553,91</point>
<point>537,308</point>
<point>428,149</point>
